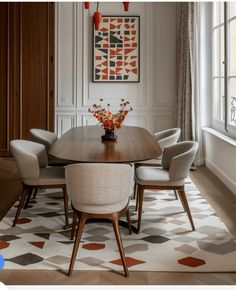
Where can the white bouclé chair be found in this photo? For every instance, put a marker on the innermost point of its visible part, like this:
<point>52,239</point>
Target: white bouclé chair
<point>47,139</point>
<point>164,138</point>
<point>31,160</point>
<point>99,191</point>
<point>176,162</point>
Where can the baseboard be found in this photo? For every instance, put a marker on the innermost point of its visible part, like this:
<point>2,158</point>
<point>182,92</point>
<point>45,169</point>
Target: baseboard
<point>221,175</point>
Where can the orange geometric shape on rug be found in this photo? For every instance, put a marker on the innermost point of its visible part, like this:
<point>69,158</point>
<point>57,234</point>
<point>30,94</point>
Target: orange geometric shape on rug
<point>129,261</point>
<point>93,246</point>
<point>22,221</point>
<point>4,245</point>
<point>38,244</point>
<point>191,262</point>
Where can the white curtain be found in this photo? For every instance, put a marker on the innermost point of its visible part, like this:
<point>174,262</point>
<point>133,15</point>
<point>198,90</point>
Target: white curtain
<point>185,71</point>
<point>188,100</point>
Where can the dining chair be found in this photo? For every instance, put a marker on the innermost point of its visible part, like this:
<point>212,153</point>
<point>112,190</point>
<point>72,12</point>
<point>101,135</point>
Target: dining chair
<point>164,138</point>
<point>99,191</point>
<point>176,163</point>
<point>31,160</point>
<point>47,139</point>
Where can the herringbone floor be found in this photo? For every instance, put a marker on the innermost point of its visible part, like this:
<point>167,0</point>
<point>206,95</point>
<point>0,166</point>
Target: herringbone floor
<point>222,200</point>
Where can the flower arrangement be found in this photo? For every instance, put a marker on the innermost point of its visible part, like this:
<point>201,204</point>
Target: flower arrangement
<point>109,120</point>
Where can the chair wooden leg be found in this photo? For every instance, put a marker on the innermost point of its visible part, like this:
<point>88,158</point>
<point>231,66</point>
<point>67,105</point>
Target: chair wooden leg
<point>28,198</point>
<point>180,197</point>
<point>79,233</point>
<point>21,204</point>
<point>128,221</point>
<point>140,206</point>
<point>175,193</point>
<point>186,206</point>
<point>65,205</point>
<point>35,193</point>
<point>73,225</point>
<point>135,189</point>
<point>115,223</point>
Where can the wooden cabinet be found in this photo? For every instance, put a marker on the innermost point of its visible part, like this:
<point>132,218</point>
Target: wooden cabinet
<point>26,70</point>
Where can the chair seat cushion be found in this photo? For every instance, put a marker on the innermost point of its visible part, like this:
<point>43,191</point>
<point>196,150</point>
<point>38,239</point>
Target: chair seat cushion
<point>48,176</point>
<point>151,162</point>
<point>155,176</point>
<point>100,209</point>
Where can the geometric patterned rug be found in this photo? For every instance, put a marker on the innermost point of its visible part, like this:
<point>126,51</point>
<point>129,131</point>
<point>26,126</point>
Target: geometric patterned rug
<point>166,241</point>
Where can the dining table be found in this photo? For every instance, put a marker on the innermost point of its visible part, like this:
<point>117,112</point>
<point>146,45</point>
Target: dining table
<point>84,144</point>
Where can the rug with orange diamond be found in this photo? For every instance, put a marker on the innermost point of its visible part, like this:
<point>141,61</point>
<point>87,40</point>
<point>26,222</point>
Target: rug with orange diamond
<point>165,243</point>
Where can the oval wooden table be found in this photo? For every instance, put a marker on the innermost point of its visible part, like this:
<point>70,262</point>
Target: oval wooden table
<point>84,144</point>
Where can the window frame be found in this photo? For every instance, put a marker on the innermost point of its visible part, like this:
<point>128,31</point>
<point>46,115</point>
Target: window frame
<point>222,125</point>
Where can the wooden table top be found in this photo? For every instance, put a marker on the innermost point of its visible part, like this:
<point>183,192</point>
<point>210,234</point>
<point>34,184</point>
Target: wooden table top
<point>83,144</point>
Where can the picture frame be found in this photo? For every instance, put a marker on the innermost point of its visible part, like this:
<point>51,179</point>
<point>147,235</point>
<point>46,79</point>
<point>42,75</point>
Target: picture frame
<point>116,50</point>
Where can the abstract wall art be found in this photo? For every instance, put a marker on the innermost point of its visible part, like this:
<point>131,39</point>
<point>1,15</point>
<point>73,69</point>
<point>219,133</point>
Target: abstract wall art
<point>116,55</point>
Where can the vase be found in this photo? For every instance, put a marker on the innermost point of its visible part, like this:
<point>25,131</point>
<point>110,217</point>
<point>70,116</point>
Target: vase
<point>109,135</point>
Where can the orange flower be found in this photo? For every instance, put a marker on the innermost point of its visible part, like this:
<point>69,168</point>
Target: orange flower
<point>107,119</point>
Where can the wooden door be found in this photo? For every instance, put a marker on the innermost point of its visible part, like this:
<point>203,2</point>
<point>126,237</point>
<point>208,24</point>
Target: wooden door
<point>27,70</point>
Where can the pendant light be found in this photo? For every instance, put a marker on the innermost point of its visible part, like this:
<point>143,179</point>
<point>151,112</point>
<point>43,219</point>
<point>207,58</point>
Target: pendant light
<point>86,5</point>
<point>126,5</point>
<point>97,18</point>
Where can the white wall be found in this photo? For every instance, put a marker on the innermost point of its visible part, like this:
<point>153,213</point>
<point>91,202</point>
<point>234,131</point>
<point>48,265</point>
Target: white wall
<point>220,157</point>
<point>153,99</point>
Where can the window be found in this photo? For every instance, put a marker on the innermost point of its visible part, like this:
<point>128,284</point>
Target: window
<point>224,66</point>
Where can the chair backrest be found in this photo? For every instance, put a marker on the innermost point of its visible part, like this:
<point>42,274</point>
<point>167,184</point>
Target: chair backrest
<point>43,137</point>
<point>178,159</point>
<point>29,157</point>
<point>98,183</point>
<point>167,137</point>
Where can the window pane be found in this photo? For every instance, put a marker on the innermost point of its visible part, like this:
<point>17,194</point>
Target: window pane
<point>218,12</point>
<point>218,52</point>
<point>219,101</point>
<point>232,9</point>
<point>232,47</point>
<point>232,94</point>
<point>222,50</point>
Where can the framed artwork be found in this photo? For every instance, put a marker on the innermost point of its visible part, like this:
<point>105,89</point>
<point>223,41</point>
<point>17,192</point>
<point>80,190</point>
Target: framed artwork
<point>116,45</point>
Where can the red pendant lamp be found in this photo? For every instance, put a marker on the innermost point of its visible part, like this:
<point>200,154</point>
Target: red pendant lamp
<point>126,6</point>
<point>97,18</point>
<point>86,5</point>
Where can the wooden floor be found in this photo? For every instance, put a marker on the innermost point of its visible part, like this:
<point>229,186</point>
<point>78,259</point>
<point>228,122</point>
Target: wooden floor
<point>220,197</point>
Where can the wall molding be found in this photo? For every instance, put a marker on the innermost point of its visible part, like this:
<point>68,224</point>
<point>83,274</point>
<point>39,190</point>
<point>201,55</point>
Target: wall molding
<point>221,175</point>
<point>74,90</point>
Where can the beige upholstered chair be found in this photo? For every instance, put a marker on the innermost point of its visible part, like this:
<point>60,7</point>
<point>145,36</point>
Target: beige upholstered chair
<point>47,139</point>
<point>99,191</point>
<point>164,138</point>
<point>31,159</point>
<point>176,162</point>
<point>43,137</point>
